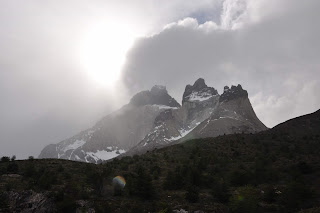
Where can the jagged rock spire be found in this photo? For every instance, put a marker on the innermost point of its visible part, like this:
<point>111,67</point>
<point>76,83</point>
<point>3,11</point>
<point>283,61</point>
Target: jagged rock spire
<point>198,91</point>
<point>233,93</point>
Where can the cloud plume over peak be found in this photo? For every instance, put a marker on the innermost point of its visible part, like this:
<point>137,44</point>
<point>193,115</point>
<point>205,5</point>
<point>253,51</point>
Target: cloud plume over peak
<point>267,46</point>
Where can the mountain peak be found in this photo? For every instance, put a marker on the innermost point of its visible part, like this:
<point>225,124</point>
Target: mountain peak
<point>158,90</point>
<point>199,91</point>
<point>157,95</point>
<point>233,93</point>
<point>200,83</point>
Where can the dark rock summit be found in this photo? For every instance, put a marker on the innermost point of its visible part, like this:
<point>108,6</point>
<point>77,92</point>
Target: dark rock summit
<point>199,91</point>
<point>233,93</point>
<point>157,95</point>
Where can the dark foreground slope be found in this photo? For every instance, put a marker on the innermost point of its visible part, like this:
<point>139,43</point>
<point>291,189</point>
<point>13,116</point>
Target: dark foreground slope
<point>273,171</point>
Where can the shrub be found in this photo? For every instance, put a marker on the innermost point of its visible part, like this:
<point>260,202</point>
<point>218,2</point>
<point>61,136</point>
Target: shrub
<point>67,204</point>
<point>4,202</point>
<point>141,184</point>
<point>244,200</point>
<point>297,195</point>
<point>239,177</point>
<point>173,180</point>
<point>192,194</point>
<point>30,170</point>
<point>12,168</point>
<point>220,191</point>
<point>47,179</point>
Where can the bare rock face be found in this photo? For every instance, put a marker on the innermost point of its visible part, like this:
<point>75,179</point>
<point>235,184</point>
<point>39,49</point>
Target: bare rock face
<point>234,114</point>
<point>199,101</point>
<point>199,91</point>
<point>117,132</point>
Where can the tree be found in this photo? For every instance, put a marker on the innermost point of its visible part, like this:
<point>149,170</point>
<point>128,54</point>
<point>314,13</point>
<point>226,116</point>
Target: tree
<point>13,158</point>
<point>5,159</point>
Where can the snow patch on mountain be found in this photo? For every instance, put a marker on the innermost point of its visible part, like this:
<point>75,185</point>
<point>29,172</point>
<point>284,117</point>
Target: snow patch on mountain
<point>164,106</point>
<point>105,154</point>
<point>199,96</point>
<point>74,145</point>
<point>183,133</point>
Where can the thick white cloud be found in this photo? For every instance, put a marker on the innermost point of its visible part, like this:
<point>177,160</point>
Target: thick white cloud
<point>274,55</point>
<point>45,94</point>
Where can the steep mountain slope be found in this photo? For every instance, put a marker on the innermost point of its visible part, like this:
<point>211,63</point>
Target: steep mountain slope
<point>117,132</point>
<point>234,114</point>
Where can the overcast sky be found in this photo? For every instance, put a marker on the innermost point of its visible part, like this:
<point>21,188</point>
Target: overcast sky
<point>270,47</point>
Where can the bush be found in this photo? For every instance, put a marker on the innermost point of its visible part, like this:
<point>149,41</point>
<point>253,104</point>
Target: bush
<point>173,180</point>
<point>220,191</point>
<point>239,177</point>
<point>269,194</point>
<point>30,170</point>
<point>4,201</point>
<point>141,184</point>
<point>297,195</point>
<point>47,179</point>
<point>244,200</point>
<point>67,204</point>
<point>12,168</point>
<point>192,194</point>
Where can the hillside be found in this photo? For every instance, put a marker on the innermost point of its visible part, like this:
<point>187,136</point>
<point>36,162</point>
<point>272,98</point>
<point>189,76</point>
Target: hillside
<point>276,170</point>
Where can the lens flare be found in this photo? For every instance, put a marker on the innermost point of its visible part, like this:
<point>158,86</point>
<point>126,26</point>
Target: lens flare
<point>119,180</point>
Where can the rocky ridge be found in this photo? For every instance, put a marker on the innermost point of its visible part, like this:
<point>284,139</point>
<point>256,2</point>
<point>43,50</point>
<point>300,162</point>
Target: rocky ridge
<point>153,119</point>
<point>204,113</point>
